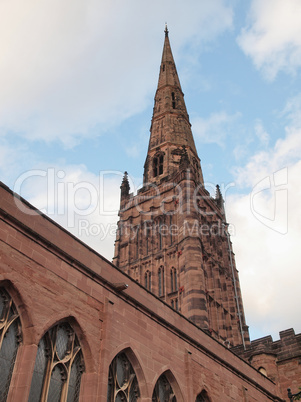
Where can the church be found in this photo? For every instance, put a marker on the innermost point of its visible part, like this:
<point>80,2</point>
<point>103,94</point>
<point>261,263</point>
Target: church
<point>165,321</point>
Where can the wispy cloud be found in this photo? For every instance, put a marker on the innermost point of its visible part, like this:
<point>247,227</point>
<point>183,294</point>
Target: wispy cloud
<point>261,133</point>
<point>60,75</point>
<point>272,37</point>
<point>268,229</point>
<point>215,128</point>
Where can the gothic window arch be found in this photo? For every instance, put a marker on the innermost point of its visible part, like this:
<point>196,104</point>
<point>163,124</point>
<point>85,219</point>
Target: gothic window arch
<point>147,234</point>
<point>163,391</point>
<point>173,98</point>
<point>161,284</point>
<point>173,280</point>
<point>170,229</point>
<point>10,338</point>
<point>137,242</point>
<point>147,280</point>
<point>58,367</point>
<point>147,245</point>
<point>202,397</point>
<point>160,234</point>
<point>158,164</point>
<point>122,381</point>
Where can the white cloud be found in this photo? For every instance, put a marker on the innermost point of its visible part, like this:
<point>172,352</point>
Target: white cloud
<point>68,69</point>
<point>261,134</point>
<point>13,158</point>
<point>285,152</point>
<point>292,110</point>
<point>268,231</point>
<point>84,203</point>
<point>272,37</point>
<point>214,129</point>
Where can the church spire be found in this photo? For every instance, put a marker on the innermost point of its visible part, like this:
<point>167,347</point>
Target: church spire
<point>170,128</point>
<point>168,72</point>
<point>172,236</point>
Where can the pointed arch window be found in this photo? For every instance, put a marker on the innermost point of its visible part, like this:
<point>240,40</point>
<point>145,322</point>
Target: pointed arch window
<point>58,367</point>
<point>158,164</point>
<point>202,397</point>
<point>136,242</point>
<point>173,98</point>
<point>10,339</point>
<point>161,284</point>
<point>147,233</point>
<point>147,245</point>
<point>173,280</point>
<point>160,234</point>
<point>163,391</point>
<point>147,280</point>
<point>171,229</point>
<point>122,382</point>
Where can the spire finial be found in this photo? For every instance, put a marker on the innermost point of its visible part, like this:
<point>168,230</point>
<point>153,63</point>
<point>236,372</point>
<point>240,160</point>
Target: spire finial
<point>166,30</point>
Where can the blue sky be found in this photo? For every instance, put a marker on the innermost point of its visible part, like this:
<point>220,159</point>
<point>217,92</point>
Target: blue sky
<point>78,81</point>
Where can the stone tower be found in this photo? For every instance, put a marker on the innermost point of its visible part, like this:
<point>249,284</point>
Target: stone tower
<point>172,236</point>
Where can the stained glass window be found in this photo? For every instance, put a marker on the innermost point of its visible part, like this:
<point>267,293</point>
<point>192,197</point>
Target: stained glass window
<point>122,381</point>
<point>10,338</point>
<point>163,391</point>
<point>58,367</point>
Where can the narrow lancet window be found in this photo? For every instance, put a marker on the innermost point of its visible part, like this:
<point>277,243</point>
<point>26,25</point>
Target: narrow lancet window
<point>137,242</point>
<point>173,280</point>
<point>160,234</point>
<point>147,280</point>
<point>161,281</point>
<point>173,100</point>
<point>170,229</point>
<point>147,233</point>
<point>158,164</point>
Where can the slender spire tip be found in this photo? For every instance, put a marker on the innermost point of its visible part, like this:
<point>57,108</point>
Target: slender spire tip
<point>166,30</point>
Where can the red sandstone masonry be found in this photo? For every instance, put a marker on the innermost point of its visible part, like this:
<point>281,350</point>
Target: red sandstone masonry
<point>48,285</point>
<point>281,359</point>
